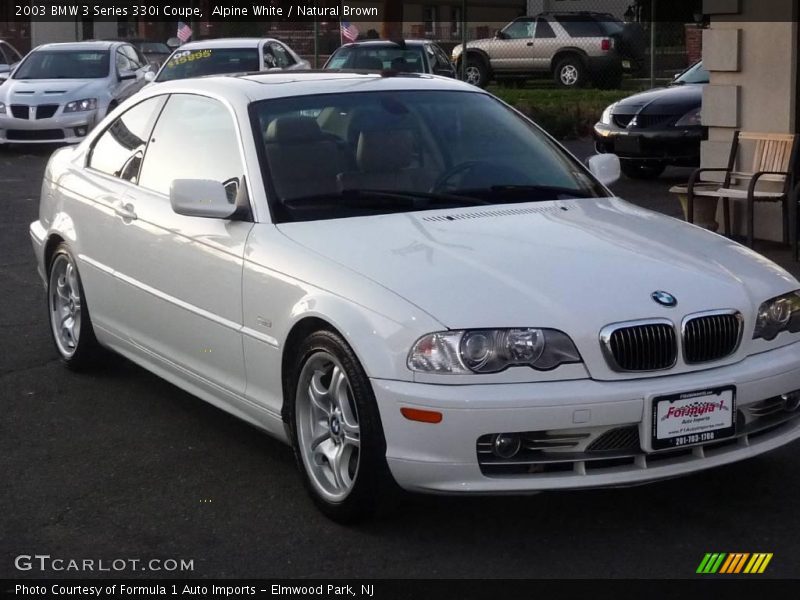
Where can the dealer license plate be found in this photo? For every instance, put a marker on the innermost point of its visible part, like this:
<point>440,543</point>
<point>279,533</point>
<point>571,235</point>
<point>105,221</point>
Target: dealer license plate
<point>692,418</point>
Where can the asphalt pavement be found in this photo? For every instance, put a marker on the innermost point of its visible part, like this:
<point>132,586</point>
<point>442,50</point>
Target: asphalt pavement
<point>118,464</point>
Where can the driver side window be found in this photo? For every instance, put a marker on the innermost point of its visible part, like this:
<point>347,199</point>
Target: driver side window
<point>179,147</point>
<point>519,30</point>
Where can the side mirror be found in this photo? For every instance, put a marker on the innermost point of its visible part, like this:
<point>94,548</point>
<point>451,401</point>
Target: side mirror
<point>173,43</point>
<point>124,75</point>
<point>149,76</point>
<point>499,35</point>
<point>200,198</point>
<point>605,167</point>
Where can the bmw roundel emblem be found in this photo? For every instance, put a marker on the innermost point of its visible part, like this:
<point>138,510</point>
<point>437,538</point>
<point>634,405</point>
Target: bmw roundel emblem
<point>664,298</point>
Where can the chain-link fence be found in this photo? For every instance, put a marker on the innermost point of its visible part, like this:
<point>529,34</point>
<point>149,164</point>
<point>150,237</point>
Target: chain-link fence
<point>600,43</point>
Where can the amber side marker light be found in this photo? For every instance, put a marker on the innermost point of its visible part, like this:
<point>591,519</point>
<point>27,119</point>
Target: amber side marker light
<point>423,416</point>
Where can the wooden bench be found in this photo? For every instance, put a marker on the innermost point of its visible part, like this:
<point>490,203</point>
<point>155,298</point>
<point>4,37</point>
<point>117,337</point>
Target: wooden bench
<point>774,159</point>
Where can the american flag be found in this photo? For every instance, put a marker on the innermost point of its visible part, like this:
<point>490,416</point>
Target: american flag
<point>349,31</point>
<point>184,32</point>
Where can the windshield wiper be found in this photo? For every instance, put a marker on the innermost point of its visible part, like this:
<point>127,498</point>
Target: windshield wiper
<point>384,199</point>
<point>527,193</point>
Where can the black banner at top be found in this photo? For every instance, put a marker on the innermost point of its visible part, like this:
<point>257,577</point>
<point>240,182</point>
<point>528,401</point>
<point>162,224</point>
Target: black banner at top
<point>197,10</point>
<point>376,10</point>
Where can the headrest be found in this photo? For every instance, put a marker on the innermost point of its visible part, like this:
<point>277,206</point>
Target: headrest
<point>369,63</point>
<point>404,66</point>
<point>293,129</point>
<point>380,151</point>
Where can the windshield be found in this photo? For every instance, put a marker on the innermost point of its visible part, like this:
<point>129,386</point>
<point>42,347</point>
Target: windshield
<point>64,64</point>
<point>196,63</point>
<point>341,155</point>
<point>694,74</point>
<point>408,60</point>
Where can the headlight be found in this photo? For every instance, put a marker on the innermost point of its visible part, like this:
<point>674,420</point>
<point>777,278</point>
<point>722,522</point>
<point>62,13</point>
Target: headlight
<point>690,119</point>
<point>605,119</point>
<point>776,315</point>
<point>2,108</point>
<point>81,105</point>
<point>491,350</point>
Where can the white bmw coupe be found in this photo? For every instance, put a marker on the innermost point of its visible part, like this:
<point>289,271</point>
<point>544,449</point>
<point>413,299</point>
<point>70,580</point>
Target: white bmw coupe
<point>410,282</point>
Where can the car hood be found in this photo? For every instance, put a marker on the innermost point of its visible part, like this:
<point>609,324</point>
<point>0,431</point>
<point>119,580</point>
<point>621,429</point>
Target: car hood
<point>57,90</point>
<point>675,99</point>
<point>574,265</point>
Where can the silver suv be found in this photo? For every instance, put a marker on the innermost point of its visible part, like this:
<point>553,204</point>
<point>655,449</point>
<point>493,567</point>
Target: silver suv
<point>573,47</point>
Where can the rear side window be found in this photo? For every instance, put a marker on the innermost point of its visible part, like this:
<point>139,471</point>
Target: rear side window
<point>119,150</point>
<point>188,127</point>
<point>544,30</point>
<point>577,26</point>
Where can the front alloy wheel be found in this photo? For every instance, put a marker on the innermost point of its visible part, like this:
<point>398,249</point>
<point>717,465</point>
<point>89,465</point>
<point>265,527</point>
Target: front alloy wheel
<point>476,72</point>
<point>328,434</point>
<point>336,429</point>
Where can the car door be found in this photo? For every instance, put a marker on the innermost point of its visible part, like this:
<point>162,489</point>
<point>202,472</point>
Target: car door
<point>439,62</point>
<point>97,194</point>
<point>512,50</point>
<point>180,276</point>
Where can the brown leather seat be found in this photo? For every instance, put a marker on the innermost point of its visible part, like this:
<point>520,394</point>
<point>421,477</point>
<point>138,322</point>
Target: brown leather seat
<point>384,159</point>
<point>303,161</point>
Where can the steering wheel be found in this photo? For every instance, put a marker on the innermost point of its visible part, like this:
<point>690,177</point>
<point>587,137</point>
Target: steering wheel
<point>440,184</point>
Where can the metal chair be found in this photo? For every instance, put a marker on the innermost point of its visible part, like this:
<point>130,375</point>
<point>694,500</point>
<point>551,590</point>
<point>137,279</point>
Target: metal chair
<point>774,159</point>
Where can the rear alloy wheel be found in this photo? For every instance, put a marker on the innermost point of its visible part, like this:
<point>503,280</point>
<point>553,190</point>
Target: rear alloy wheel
<point>637,170</point>
<point>570,72</point>
<point>476,73</point>
<point>337,433</point>
<point>70,324</point>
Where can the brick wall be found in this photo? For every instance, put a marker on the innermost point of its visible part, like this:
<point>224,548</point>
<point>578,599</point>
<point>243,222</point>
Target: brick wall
<point>694,43</point>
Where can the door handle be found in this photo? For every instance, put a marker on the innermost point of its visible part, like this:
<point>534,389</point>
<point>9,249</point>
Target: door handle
<point>529,44</point>
<point>126,211</point>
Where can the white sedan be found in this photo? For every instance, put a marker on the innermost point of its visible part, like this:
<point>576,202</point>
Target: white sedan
<point>228,55</point>
<point>410,282</point>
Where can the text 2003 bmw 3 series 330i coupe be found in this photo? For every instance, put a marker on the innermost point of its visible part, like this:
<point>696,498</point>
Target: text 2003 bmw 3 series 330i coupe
<point>408,281</point>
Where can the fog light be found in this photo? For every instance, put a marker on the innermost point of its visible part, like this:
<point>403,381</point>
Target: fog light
<point>80,131</point>
<point>506,445</point>
<point>791,400</point>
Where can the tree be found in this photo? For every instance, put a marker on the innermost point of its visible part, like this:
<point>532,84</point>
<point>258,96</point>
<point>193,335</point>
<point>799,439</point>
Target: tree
<point>392,19</point>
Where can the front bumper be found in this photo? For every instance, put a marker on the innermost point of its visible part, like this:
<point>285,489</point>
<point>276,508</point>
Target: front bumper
<point>443,457</point>
<point>678,146</point>
<point>61,128</point>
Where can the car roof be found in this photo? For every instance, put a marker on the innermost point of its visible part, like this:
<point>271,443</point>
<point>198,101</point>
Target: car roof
<point>398,43</point>
<point>250,87</point>
<point>89,45</point>
<point>243,42</point>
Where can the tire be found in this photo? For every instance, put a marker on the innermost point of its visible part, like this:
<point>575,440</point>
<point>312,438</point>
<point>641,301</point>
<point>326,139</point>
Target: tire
<point>336,430</point>
<point>68,313</point>
<point>477,72</point>
<point>636,170</point>
<point>570,72</point>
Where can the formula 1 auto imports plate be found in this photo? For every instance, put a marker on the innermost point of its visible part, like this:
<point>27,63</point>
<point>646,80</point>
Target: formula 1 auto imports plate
<point>692,418</point>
